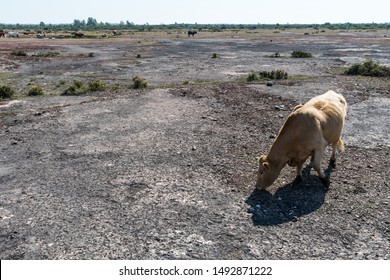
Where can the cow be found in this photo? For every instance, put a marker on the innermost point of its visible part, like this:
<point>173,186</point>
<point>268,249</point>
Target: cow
<point>308,130</point>
<point>191,33</point>
<point>2,33</point>
<point>78,34</point>
<point>13,34</point>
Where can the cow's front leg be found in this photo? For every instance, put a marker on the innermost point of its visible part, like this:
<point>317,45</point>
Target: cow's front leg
<point>298,179</point>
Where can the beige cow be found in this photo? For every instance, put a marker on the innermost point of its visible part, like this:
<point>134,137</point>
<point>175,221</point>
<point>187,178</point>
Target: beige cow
<point>308,130</point>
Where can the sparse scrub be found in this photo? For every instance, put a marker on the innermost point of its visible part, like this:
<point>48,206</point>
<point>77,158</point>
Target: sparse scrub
<point>274,75</point>
<point>46,54</point>
<point>78,83</point>
<point>252,77</point>
<point>75,89</point>
<point>35,90</point>
<point>368,68</point>
<point>215,55</point>
<point>139,83</point>
<point>6,92</point>
<point>19,53</point>
<point>301,54</point>
<point>96,85</point>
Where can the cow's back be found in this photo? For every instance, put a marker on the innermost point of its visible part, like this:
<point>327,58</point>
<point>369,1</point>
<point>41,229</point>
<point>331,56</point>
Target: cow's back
<point>321,118</point>
<point>330,111</point>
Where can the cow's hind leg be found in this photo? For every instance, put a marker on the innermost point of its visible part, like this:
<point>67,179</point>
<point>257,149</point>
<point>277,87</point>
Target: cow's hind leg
<point>318,154</point>
<point>332,162</point>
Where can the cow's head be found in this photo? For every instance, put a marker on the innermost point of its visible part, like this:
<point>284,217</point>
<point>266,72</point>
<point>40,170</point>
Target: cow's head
<point>266,174</point>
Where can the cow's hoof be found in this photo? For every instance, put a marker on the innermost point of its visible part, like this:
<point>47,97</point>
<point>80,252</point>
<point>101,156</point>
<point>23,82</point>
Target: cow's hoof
<point>332,163</point>
<point>325,181</point>
<point>297,181</point>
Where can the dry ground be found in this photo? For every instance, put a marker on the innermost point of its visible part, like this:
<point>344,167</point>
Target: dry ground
<point>168,172</point>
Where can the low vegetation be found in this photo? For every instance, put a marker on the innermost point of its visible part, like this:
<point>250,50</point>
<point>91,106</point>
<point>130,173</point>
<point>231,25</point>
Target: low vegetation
<point>96,85</point>
<point>6,92</point>
<point>19,53</point>
<point>35,90</point>
<point>139,83</point>
<point>301,54</point>
<point>267,75</point>
<point>78,88</point>
<point>368,68</point>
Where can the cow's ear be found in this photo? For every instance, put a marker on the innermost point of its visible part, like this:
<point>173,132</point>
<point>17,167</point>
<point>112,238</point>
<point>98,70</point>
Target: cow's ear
<point>266,165</point>
<point>262,158</point>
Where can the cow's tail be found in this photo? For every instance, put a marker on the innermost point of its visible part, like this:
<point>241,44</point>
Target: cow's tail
<point>340,145</point>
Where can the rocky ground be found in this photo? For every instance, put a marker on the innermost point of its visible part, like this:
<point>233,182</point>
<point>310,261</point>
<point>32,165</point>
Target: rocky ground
<point>168,172</point>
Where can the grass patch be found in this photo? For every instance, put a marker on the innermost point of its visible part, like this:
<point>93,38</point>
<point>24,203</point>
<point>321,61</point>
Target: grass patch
<point>139,83</point>
<point>274,75</point>
<point>35,91</point>
<point>6,92</point>
<point>368,68</point>
<point>301,54</point>
<point>267,75</point>
<point>96,85</point>
<point>18,53</point>
<point>46,54</point>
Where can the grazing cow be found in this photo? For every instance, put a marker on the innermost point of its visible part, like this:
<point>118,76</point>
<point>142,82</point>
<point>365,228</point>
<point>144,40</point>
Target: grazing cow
<point>308,130</point>
<point>13,34</point>
<point>78,34</point>
<point>191,33</point>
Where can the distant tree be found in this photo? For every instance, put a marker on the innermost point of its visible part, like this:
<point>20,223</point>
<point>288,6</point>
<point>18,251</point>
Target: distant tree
<point>42,24</point>
<point>77,22</point>
<point>91,22</point>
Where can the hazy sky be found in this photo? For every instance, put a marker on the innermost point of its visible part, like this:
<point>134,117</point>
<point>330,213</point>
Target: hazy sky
<point>196,11</point>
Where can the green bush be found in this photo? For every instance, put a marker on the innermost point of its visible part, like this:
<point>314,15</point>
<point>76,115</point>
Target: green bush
<point>96,86</point>
<point>301,54</point>
<point>139,83</point>
<point>251,77</point>
<point>19,53</point>
<point>6,92</point>
<point>274,75</point>
<point>78,83</point>
<point>74,90</point>
<point>35,90</point>
<point>368,68</point>
<point>215,55</point>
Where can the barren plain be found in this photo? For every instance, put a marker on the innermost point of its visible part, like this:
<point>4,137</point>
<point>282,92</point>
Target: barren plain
<point>168,172</point>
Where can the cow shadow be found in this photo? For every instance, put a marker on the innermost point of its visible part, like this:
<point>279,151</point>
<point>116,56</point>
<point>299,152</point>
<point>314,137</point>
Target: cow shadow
<point>289,202</point>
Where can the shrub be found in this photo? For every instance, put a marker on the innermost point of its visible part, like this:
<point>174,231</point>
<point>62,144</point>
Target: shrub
<point>74,90</point>
<point>252,77</point>
<point>96,85</point>
<point>215,55</point>
<point>35,90</point>
<point>19,53</point>
<point>6,92</point>
<point>274,75</point>
<point>368,68</point>
<point>78,83</point>
<point>301,54</point>
<point>139,83</point>
<point>46,54</point>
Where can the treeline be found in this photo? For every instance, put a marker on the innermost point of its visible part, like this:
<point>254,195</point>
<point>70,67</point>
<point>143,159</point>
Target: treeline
<point>93,24</point>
